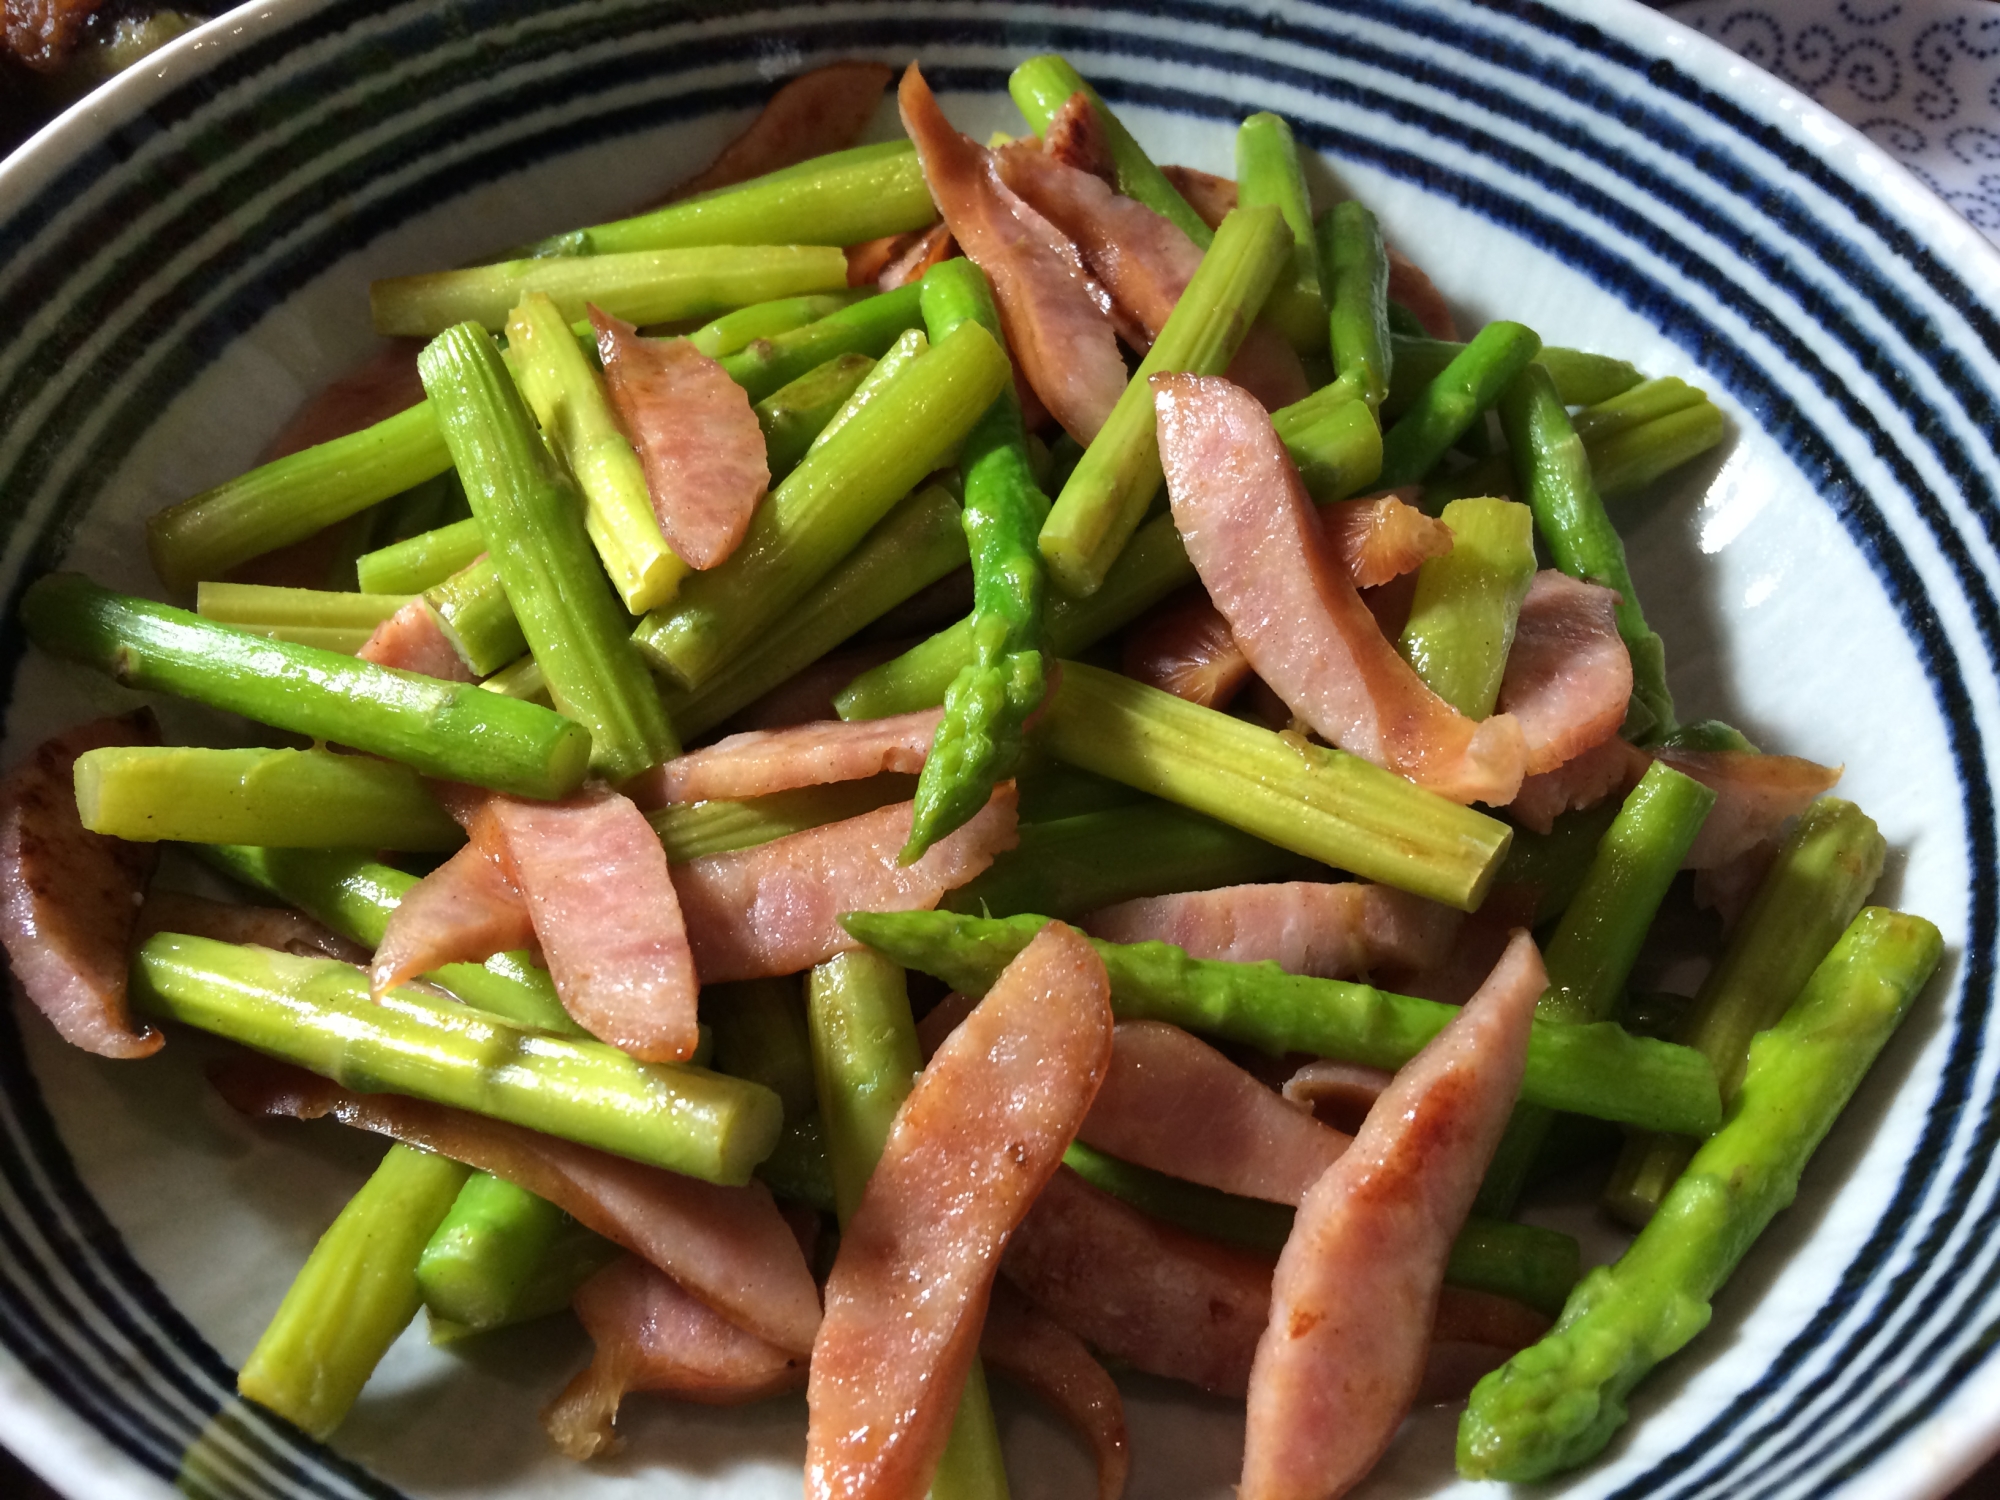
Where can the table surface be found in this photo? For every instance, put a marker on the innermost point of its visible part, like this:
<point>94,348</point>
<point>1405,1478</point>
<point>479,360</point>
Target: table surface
<point>1938,114</point>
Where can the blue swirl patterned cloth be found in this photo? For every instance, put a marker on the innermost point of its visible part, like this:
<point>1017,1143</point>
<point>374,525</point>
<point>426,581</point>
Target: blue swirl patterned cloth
<point>1921,78</point>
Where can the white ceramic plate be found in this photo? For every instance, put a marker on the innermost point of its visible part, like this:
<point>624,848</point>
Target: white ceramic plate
<point>183,259</point>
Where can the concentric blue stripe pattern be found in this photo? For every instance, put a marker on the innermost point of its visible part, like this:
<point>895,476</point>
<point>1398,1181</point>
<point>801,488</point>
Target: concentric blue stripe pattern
<point>148,251</point>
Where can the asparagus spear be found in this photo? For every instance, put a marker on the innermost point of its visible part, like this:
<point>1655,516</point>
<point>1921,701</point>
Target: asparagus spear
<point>353,895</point>
<point>825,506</point>
<point>986,707</point>
<point>898,357</point>
<point>797,412</point>
<point>568,398</point>
<point>472,609</point>
<point>1645,402</point>
<point>1462,617</point>
<point>1595,1070</point>
<point>522,679</point>
<point>300,799</point>
<point>1596,943</point>
<point>1325,804</point>
<point>911,548</point>
<point>1557,1403</point>
<point>1554,863</point>
<point>483,1253</point>
<point>1554,474</point>
<point>292,498</point>
<point>1042,85</point>
<point>307,617</point>
<point>868,327</point>
<point>864,1061</point>
<point>1268,170</point>
<point>1823,872</point>
<point>574,1256</point>
<point>693,830</point>
<point>1066,867</point>
<point>1450,404</point>
<point>766,320</point>
<point>316,1013</point>
<point>1111,490</point>
<point>841,198</point>
<point>760,1034</point>
<point>356,1293</point>
<point>1623,462</point>
<point>640,286</point>
<point>1338,450</point>
<point>1581,379</point>
<point>529,515</point>
<point>1354,263</point>
<point>1535,1266</point>
<point>444,729</point>
<point>416,563</point>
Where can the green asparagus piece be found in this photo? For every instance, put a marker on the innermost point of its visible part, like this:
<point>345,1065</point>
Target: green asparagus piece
<point>978,742</point>
<point>1824,871</point>
<point>797,412</point>
<point>523,679</point>
<point>306,617</point>
<point>292,498</point>
<point>911,548</point>
<point>444,729</point>
<point>1623,462</point>
<point>760,1034</point>
<point>1268,170</point>
<point>299,799</point>
<point>1327,805</point>
<point>316,1013</point>
<point>1451,403</point>
<point>1597,941</point>
<point>472,609</point>
<point>1554,474</point>
<point>972,1466</point>
<point>1557,1403</point>
<point>898,357</point>
<point>576,1255</point>
<point>868,327</point>
<point>416,563</point>
<point>1629,410</point>
<point>640,286</point>
<point>353,894</point>
<point>1404,324</point>
<point>1462,617</point>
<point>530,516</point>
<point>1050,791</point>
<point>1354,264</point>
<point>479,1261</point>
<point>1581,379</point>
<point>1043,85</point>
<point>766,320</point>
<point>841,198</point>
<point>826,506</point>
<point>694,830</point>
<point>1069,866</point>
<point>355,1295</point>
<point>567,395</point>
<point>1338,450</point>
<point>1535,1266</point>
<point>1708,734</point>
<point>1113,487</point>
<point>1595,1070</point>
<point>1553,864</point>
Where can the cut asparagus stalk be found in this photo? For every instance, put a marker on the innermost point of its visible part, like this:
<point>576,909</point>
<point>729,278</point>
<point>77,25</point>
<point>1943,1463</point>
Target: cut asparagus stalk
<point>1327,805</point>
<point>292,498</point>
<point>766,320</point>
<point>1110,491</point>
<point>291,799</point>
<point>898,357</point>
<point>534,526</point>
<point>1268,170</point>
<point>306,617</point>
<point>1355,266</point>
<point>1556,1404</point>
<point>868,327</point>
<point>841,198</point>
<point>317,1014</point>
<point>1825,870</point>
<point>824,508</point>
<point>1459,396</point>
<point>567,396</point>
<point>419,562</point>
<point>1462,617</point>
<point>355,1295</point>
<point>444,729</point>
<point>479,1261</point>
<point>1598,1070</point>
<point>472,609</point>
<point>640,286</point>
<point>1581,378</point>
<point>693,830</point>
<point>793,415</point>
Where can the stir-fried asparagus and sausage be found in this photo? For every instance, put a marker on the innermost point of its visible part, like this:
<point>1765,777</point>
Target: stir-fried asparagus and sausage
<point>1097,589</point>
